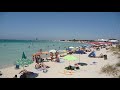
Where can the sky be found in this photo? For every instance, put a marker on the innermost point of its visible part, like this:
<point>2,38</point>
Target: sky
<point>59,25</point>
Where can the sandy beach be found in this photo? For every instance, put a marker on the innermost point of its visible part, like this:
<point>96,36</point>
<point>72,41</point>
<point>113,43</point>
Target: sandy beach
<point>57,70</point>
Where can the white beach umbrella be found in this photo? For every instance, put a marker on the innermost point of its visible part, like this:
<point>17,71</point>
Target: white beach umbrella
<point>71,47</point>
<point>53,51</point>
<point>76,47</point>
<point>62,51</point>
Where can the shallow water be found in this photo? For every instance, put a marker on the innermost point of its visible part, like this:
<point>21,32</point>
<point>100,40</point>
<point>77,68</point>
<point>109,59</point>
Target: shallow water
<point>11,50</point>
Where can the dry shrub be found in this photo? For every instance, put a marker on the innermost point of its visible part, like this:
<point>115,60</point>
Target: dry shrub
<point>110,70</point>
<point>119,55</point>
<point>118,64</point>
<point>115,52</point>
<point>119,76</point>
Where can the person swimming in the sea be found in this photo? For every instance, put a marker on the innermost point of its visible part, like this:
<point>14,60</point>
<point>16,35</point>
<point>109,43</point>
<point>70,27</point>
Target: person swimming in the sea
<point>28,46</point>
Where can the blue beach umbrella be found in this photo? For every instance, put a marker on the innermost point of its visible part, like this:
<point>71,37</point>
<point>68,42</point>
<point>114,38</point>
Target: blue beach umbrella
<point>79,52</point>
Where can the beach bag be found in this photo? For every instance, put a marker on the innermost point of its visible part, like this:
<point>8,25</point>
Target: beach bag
<point>77,68</point>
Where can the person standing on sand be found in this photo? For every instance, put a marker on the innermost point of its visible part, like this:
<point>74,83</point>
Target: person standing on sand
<point>57,57</point>
<point>51,56</point>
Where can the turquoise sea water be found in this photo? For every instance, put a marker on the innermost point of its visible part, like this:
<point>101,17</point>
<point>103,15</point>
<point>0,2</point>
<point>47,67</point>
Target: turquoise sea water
<point>11,50</point>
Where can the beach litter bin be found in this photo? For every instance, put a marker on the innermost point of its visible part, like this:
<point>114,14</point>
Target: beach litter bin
<point>45,70</point>
<point>17,66</point>
<point>105,57</point>
<point>0,73</point>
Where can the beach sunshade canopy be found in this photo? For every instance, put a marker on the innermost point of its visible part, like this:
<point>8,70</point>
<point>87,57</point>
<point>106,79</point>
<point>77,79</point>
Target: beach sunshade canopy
<point>62,51</point>
<point>71,47</point>
<point>38,53</point>
<point>24,61</point>
<point>53,51</point>
<point>70,58</point>
<point>79,52</point>
<point>33,54</point>
<point>23,55</point>
<point>45,52</point>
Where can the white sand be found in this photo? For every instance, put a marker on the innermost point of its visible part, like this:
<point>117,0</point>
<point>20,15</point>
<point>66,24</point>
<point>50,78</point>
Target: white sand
<point>56,70</point>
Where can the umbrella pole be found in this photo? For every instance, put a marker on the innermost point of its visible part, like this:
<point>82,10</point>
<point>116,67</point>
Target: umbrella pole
<point>23,66</point>
<point>79,58</point>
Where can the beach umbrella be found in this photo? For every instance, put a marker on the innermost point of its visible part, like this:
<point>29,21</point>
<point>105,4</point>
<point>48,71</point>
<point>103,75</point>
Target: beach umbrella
<point>53,51</point>
<point>62,51</point>
<point>46,53</point>
<point>79,52</point>
<point>74,49</point>
<point>24,61</point>
<point>23,55</point>
<point>70,58</point>
<point>71,47</point>
<point>38,53</point>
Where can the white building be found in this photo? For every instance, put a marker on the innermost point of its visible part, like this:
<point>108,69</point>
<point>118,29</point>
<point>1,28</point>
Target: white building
<point>113,40</point>
<point>103,40</point>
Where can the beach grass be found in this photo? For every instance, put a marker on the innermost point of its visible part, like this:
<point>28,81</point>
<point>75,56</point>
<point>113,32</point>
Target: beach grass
<point>110,70</point>
<point>118,64</point>
<point>115,50</point>
<point>119,76</point>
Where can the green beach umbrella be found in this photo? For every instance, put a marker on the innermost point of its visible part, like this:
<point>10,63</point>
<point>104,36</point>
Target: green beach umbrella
<point>23,55</point>
<point>24,61</point>
<point>70,58</point>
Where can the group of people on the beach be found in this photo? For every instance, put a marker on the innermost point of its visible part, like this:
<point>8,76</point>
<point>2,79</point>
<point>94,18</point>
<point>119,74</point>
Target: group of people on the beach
<point>55,57</point>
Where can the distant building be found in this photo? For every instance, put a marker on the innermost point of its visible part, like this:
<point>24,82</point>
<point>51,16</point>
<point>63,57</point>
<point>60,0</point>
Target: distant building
<point>113,40</point>
<point>103,40</point>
